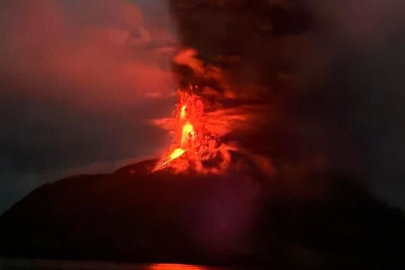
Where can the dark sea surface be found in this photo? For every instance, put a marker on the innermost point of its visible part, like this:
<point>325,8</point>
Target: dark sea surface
<point>16,264</point>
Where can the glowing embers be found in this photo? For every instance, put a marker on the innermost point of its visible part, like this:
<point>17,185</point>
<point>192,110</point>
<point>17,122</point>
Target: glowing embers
<point>192,145</point>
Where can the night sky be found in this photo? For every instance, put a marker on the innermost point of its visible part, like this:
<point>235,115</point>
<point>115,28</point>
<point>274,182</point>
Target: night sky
<point>81,80</point>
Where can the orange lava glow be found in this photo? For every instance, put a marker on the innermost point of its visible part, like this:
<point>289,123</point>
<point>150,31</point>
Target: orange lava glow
<point>177,153</point>
<point>188,134</point>
<point>192,144</point>
<point>175,267</point>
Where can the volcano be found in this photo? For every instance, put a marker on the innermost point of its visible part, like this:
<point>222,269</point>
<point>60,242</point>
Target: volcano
<point>232,219</point>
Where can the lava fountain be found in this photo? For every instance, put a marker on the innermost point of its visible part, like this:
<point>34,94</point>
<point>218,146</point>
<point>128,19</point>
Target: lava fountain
<point>193,146</point>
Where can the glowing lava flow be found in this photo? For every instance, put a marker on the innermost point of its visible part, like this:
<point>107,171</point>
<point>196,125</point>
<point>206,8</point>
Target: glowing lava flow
<point>190,142</point>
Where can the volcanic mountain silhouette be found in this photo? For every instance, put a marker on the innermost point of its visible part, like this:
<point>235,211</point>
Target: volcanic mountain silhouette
<point>135,215</point>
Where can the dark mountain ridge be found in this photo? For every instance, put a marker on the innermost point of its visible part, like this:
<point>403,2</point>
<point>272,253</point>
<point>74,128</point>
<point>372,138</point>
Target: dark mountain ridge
<point>234,219</point>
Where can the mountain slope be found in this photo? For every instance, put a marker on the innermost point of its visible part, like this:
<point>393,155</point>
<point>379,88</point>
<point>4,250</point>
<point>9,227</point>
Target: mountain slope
<point>132,215</point>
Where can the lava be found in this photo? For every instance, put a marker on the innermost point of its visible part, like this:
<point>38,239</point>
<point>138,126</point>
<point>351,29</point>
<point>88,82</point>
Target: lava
<point>177,153</point>
<point>192,143</point>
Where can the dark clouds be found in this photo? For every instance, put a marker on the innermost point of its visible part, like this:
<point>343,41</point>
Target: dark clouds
<point>79,81</point>
<point>367,75</point>
<point>330,70</point>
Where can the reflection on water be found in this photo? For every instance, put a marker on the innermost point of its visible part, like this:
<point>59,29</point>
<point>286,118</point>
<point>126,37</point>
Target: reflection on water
<point>25,264</point>
<point>163,266</point>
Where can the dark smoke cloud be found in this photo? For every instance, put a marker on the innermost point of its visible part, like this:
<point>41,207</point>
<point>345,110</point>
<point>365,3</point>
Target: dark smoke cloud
<point>78,82</point>
<point>331,72</point>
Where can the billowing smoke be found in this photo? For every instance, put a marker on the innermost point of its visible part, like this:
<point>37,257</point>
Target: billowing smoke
<point>320,80</point>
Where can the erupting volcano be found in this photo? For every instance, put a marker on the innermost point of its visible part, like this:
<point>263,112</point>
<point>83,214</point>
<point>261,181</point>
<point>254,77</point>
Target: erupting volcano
<point>209,120</point>
<point>193,146</point>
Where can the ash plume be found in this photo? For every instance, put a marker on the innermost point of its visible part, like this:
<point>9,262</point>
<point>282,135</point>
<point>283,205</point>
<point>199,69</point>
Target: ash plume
<point>321,79</point>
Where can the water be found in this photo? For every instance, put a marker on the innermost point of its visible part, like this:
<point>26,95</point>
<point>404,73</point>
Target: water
<point>22,264</point>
